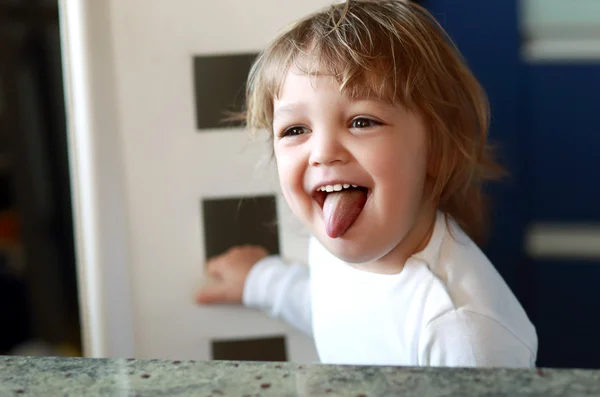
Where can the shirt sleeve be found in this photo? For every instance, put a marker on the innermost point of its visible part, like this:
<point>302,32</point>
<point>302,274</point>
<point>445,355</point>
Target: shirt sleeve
<point>281,290</point>
<point>466,339</point>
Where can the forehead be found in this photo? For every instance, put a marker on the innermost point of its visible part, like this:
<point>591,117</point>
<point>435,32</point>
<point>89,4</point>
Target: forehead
<point>298,83</point>
<point>302,94</point>
<point>300,90</point>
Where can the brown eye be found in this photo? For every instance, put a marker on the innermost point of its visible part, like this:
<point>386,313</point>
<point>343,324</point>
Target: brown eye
<point>294,131</point>
<point>362,122</point>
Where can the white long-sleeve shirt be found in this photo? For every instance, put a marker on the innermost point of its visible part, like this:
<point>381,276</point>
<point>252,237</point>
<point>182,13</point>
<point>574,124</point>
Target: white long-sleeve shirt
<point>448,307</point>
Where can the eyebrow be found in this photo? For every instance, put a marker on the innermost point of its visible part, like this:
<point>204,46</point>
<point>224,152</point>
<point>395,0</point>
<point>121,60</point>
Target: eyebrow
<point>287,109</point>
<point>377,102</point>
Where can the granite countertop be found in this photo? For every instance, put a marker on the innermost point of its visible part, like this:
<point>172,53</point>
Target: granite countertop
<point>120,377</point>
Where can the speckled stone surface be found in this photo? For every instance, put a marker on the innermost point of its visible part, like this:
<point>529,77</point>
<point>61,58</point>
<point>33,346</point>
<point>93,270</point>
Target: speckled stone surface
<point>22,376</point>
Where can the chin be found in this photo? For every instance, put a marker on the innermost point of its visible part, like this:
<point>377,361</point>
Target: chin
<point>352,251</point>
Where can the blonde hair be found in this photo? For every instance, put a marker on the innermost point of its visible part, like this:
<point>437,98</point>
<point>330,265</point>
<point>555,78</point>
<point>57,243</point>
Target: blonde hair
<point>393,51</point>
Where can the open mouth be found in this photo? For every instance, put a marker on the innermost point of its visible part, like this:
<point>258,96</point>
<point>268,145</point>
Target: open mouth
<point>322,192</point>
<point>341,205</point>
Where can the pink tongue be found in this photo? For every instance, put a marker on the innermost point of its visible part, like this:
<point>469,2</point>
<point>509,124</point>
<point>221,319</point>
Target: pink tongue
<point>341,210</point>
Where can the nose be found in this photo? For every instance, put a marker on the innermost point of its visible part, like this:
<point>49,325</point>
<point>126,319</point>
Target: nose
<point>327,149</point>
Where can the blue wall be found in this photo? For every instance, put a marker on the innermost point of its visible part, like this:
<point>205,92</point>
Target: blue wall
<point>565,172</point>
<point>545,119</point>
<point>565,152</point>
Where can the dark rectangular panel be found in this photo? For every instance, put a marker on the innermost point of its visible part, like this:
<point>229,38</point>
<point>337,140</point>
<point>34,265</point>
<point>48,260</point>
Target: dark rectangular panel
<point>564,137</point>
<point>219,85</point>
<point>240,221</point>
<point>263,349</point>
<point>566,307</point>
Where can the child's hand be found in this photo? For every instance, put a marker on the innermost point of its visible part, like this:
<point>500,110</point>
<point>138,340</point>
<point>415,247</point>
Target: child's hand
<point>229,272</point>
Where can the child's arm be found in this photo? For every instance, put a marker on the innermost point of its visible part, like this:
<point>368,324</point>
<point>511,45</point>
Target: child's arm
<point>467,339</point>
<point>247,275</point>
<point>282,290</point>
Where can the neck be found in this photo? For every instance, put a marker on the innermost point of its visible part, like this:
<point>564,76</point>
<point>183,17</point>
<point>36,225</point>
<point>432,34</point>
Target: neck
<point>415,241</point>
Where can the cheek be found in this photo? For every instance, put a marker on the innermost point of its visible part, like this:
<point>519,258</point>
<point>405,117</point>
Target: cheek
<point>290,182</point>
<point>289,172</point>
<point>285,167</point>
<point>400,166</point>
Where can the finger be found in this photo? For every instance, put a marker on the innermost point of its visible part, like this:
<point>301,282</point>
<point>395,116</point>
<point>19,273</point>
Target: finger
<point>262,251</point>
<point>208,295</point>
<point>213,268</point>
<point>232,249</point>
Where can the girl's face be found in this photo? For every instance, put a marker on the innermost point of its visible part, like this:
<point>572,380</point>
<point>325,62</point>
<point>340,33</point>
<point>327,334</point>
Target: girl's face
<point>323,139</point>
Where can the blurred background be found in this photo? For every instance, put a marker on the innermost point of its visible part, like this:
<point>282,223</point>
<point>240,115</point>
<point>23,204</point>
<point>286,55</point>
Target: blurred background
<point>38,304</point>
<point>539,61</point>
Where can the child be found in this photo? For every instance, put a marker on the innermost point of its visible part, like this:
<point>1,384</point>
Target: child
<point>379,133</point>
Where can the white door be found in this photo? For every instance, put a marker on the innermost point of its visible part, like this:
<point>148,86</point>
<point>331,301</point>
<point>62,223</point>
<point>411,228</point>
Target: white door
<point>143,171</point>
